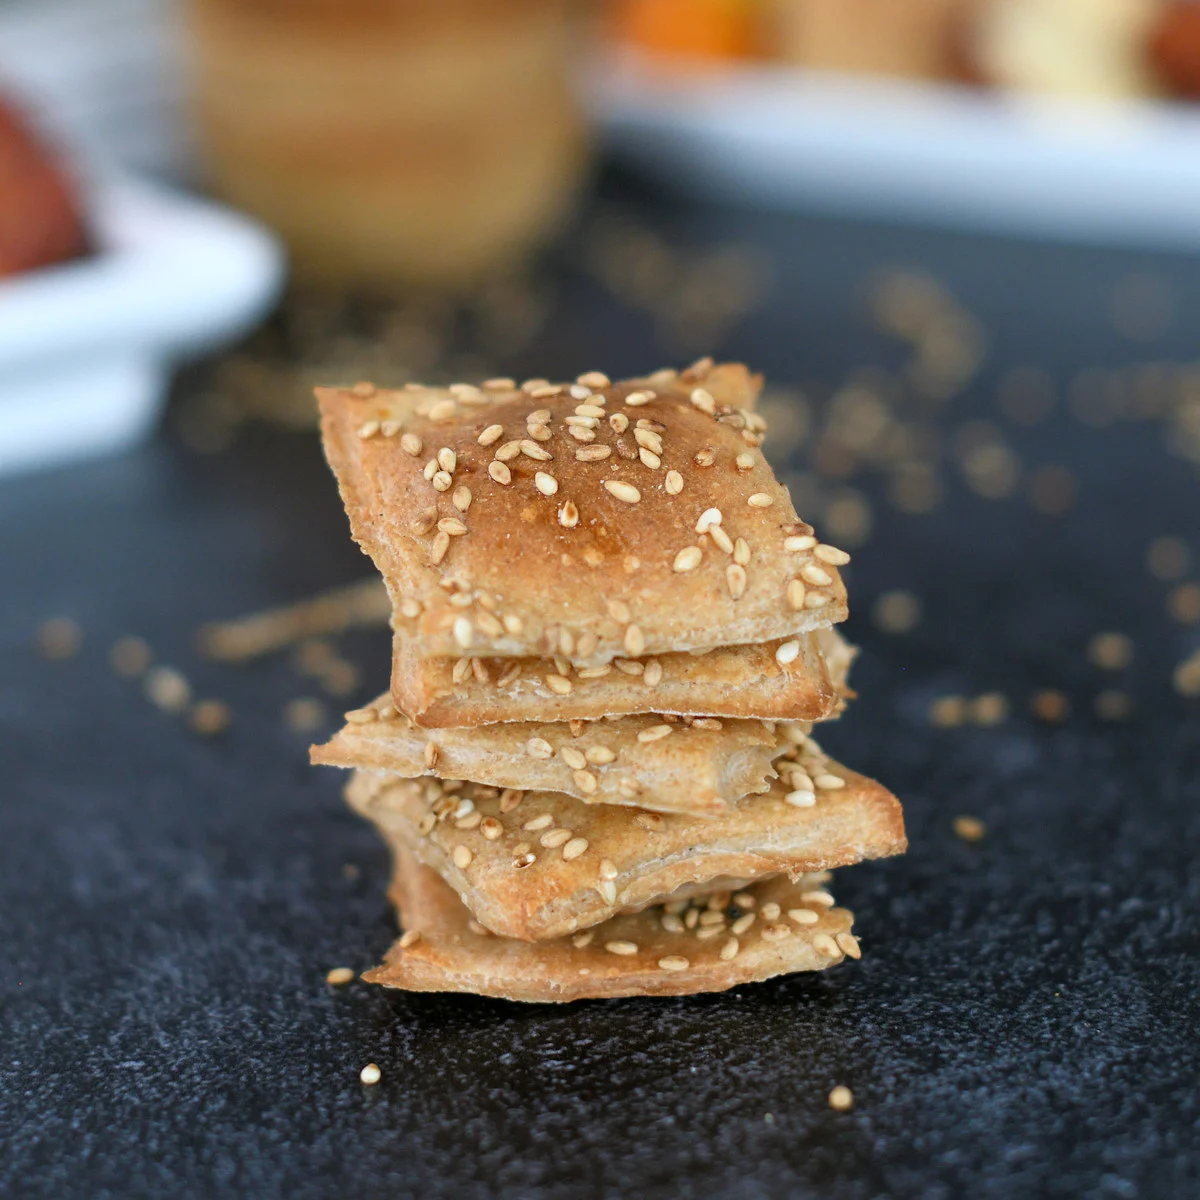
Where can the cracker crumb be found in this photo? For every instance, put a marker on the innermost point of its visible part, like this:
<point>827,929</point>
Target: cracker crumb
<point>370,1075</point>
<point>841,1099</point>
<point>339,976</point>
<point>168,689</point>
<point>1050,705</point>
<point>130,657</point>
<point>209,717</point>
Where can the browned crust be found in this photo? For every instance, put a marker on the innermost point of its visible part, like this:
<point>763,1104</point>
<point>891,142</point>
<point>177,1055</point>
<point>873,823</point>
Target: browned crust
<point>646,855</point>
<point>606,585</point>
<point>448,956</point>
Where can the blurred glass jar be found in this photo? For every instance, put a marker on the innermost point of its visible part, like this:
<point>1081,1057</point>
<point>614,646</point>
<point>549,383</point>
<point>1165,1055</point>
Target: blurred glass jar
<point>392,141</point>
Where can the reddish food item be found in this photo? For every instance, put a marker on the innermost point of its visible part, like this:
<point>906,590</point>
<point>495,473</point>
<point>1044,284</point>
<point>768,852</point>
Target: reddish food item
<point>703,28</point>
<point>1174,48</point>
<point>40,221</point>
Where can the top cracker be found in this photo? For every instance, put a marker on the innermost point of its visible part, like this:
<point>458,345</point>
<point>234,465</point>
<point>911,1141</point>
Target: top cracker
<point>590,520</point>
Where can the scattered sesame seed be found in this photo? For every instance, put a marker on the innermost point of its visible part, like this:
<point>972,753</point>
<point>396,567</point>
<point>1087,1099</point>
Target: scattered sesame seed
<point>741,552</point>
<point>638,399</point>
<point>760,500</point>
<point>499,472</point>
<point>622,491</point>
<point>168,689</point>
<point>559,684</point>
<point>841,1099</point>
<point>129,657</point>
<point>581,940</point>
<point>545,483</point>
<point>368,430</point>
<point>339,976</point>
<point>624,948</point>
<point>538,747</point>
<point>508,451</point>
<point>704,401</point>
<point>370,1075</point>
<point>608,869</point>
<point>649,820</point>
<point>796,593</point>
<point>59,638</point>
<point>673,962</point>
<point>634,641</point>
<point>411,444</point>
<point>1111,651</point>
<point>532,450</point>
<point>970,829</point>
<point>492,434</point>
<point>592,453</point>
<point>803,916</point>
<point>817,896</point>
<point>462,857</point>
<point>652,675</point>
<point>593,379</point>
<point>443,410</point>
<point>574,848</point>
<point>801,798</point>
<point>524,860</point>
<point>654,733</point>
<point>829,783</point>
<point>688,559</point>
<point>831,555</point>
<point>553,838</point>
<point>411,938</point>
<point>744,461</point>
<point>813,574</point>
<point>797,543</point>
<point>447,459</point>
<point>453,526</point>
<point>543,821</point>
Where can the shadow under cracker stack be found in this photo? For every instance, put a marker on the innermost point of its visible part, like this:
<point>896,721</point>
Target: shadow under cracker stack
<point>612,636</point>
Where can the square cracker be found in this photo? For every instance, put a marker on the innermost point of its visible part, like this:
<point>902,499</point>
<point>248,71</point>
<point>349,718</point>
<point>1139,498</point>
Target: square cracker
<point>734,681</point>
<point>445,951</point>
<point>541,865</point>
<point>696,768</point>
<point>527,545</point>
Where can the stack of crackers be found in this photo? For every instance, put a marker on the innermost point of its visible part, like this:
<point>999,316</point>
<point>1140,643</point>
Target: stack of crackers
<point>612,638</point>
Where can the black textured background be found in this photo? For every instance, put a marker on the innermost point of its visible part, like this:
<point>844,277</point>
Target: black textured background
<point>1023,1023</point>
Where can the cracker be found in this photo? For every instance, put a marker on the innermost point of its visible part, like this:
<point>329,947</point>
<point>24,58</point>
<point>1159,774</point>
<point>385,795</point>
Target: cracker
<point>698,768</point>
<point>502,538</point>
<point>445,951</point>
<point>735,681</point>
<point>540,864</point>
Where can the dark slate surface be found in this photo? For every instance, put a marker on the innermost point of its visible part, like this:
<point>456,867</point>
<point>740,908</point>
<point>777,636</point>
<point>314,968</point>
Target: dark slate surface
<point>1024,1021</point>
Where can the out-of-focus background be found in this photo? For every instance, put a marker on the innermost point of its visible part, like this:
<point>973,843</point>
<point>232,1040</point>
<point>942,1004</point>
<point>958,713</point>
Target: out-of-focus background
<point>422,156</point>
<point>961,238</point>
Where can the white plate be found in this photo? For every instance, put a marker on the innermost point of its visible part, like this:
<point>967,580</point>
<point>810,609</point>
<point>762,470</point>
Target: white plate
<point>1109,172</point>
<point>87,348</point>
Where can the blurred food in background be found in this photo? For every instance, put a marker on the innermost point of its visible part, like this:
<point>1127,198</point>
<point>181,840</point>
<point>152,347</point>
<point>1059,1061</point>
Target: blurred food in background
<point>40,218</point>
<point>1093,48</point>
<point>392,141</point>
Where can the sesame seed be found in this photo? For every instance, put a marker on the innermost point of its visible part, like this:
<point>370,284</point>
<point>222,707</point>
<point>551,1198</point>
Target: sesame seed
<point>430,469</point>
<point>829,783</point>
<point>511,797</point>
<point>729,949</point>
<point>548,389</point>
<point>453,526</point>
<point>673,962</point>
<point>709,518</point>
<point>447,459</point>
<point>787,653</point>
<point>442,481</point>
<point>619,422</point>
<point>168,689</point>
<point>622,491</point>
<point>364,389</point>
<point>741,552</point>
<point>712,917</point>
<point>817,896</point>
<point>970,829</point>
<point>592,453</point>
<point>369,430</point>
<point>649,459</point>
<point>527,859</point>
<point>638,399</point>
<point>540,416</point>
<point>600,755</point>
<point>464,632</point>
<point>652,675</point>
<point>490,828</point>
<point>824,945</point>
<point>608,869</point>
<point>431,754</point>
<point>443,410</point>
<point>411,444</point>
<point>735,578</point>
<point>629,666</point>
<point>538,747</point>
<point>760,500</point>
<point>572,757</point>
<point>831,555</point>
<point>560,685</point>
<point>801,798</point>
<point>815,575</point>
<point>634,641</point>
<point>411,938</point>
<point>703,400</point>
<point>795,544</point>
<point>339,976</point>
<point>545,483</point>
<point>849,945</point>
<point>499,472</point>
<point>462,857</point>
<point>370,1075</point>
<point>803,916</point>
<point>568,514</point>
<point>389,429</point>
<point>508,451</point>
<point>744,461</point>
<point>624,948</point>
<point>608,891</point>
<point>705,457</point>
<point>775,933</point>
<point>574,848</point>
<point>512,623</point>
<point>688,559</point>
<point>500,384</point>
<point>796,592</point>
<point>553,838</point>
<point>593,379</point>
<point>462,498</point>
<point>493,433</point>
<point>654,733</point>
<point>532,450</point>
<point>590,410</point>
<point>582,940</point>
<point>648,438</point>
<point>672,922</point>
<point>841,1099</point>
<point>649,820</point>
